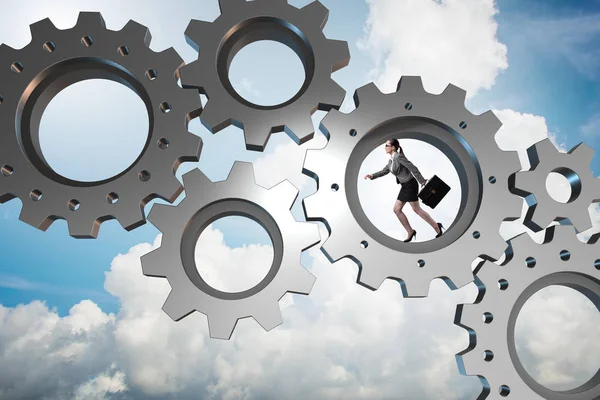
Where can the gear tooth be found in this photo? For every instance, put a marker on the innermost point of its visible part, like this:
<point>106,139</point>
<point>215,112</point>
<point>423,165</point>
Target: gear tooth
<point>541,218</point>
<point>470,360</point>
<point>334,248</point>
<point>331,122</point>
<point>454,94</point>
<point>309,232</point>
<point>191,76</point>
<point>80,228</point>
<point>492,123</point>
<point>88,19</point>
<point>35,217</point>
<point>461,277</point>
<point>195,31</point>
<point>366,93</point>
<point>42,28</point>
<point>175,307</point>
<point>173,60</point>
<point>470,316</point>
<point>580,219</point>
<point>410,85</point>
<point>339,54</point>
<point>189,141</point>
<point>370,277</point>
<point>214,118</point>
<point>135,30</point>
<point>256,135</point>
<point>332,97</point>
<point>230,5</point>
<point>130,218</point>
<point>525,180</point>
<point>241,171</point>
<point>156,263</point>
<point>170,188</point>
<point>302,129</point>
<point>417,287</point>
<point>194,182</point>
<point>160,215</point>
<point>284,193</point>
<point>268,316</point>
<point>303,281</point>
<point>317,12</point>
<point>314,208</point>
<point>545,148</point>
<point>583,152</point>
<point>221,326</point>
<point>6,52</point>
<point>562,234</point>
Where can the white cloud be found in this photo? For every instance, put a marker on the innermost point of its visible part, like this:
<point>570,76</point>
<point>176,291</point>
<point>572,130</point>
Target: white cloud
<point>248,88</point>
<point>456,43</point>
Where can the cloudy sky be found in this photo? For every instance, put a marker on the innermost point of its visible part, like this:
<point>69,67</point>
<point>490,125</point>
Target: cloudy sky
<point>78,320</point>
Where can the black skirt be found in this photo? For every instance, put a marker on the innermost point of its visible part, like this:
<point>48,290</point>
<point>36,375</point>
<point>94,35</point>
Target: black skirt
<point>409,191</point>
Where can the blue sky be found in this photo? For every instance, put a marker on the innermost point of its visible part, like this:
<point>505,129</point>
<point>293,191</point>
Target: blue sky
<point>553,72</point>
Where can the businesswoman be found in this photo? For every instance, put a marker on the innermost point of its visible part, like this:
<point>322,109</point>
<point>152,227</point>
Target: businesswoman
<point>405,173</point>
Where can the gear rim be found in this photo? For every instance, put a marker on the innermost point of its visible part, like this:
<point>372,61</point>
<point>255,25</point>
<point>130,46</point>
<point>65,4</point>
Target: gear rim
<point>56,58</point>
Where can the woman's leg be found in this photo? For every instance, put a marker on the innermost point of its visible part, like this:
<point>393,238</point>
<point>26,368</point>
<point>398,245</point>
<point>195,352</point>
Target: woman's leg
<point>424,214</point>
<point>398,205</point>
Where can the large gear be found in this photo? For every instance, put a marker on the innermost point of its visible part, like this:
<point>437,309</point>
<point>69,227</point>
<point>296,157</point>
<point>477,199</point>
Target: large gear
<point>575,167</point>
<point>55,59</point>
<point>243,22</point>
<point>206,202</point>
<point>466,139</point>
<point>503,290</point>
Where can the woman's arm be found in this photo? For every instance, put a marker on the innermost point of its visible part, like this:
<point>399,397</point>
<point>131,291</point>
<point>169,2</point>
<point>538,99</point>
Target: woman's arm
<point>400,159</point>
<point>384,171</point>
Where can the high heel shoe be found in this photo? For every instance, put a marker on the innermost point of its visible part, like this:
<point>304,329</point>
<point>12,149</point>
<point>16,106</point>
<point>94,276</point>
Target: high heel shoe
<point>414,235</point>
<point>441,227</point>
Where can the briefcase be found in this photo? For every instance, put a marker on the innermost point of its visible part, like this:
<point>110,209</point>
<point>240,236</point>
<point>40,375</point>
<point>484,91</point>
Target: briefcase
<point>433,192</point>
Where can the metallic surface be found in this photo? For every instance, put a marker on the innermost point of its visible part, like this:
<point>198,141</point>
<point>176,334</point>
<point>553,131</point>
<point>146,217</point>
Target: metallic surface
<point>575,167</point>
<point>503,290</point>
<point>206,202</point>
<point>466,139</point>
<point>243,22</point>
<point>55,59</point>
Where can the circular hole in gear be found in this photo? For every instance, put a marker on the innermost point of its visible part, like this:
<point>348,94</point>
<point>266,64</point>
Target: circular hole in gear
<point>234,254</point>
<point>563,185</point>
<point>266,73</point>
<point>377,197</point>
<point>92,138</point>
<point>556,338</point>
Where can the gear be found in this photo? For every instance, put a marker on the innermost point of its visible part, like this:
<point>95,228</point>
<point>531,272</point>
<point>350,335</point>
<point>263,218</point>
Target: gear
<point>55,59</point>
<point>442,121</point>
<point>575,167</point>
<point>206,202</point>
<point>243,22</point>
<point>503,290</point>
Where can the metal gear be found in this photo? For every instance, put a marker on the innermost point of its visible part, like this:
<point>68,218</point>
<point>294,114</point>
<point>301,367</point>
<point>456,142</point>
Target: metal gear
<point>55,59</point>
<point>206,202</point>
<point>243,22</point>
<point>442,121</point>
<point>575,167</point>
<point>503,290</point>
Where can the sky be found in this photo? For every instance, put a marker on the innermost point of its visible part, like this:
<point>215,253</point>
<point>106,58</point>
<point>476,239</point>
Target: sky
<point>79,320</point>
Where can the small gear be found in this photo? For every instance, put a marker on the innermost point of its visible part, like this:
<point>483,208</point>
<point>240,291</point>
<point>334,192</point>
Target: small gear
<point>503,290</point>
<point>206,202</point>
<point>55,59</point>
<point>442,121</point>
<point>243,22</point>
<point>575,167</point>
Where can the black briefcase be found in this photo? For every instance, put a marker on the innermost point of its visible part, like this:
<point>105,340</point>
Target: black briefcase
<point>433,192</point>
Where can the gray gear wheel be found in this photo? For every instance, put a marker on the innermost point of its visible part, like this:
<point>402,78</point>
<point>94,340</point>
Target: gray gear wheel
<point>442,121</point>
<point>55,59</point>
<point>503,290</point>
<point>243,22</point>
<point>575,167</point>
<point>206,202</point>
